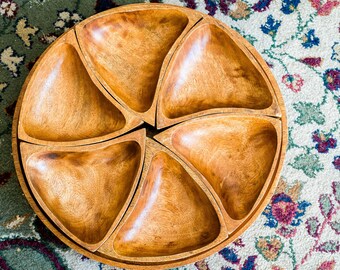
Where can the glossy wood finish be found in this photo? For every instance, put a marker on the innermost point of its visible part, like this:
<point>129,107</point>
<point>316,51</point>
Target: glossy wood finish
<point>187,203</point>
<point>237,155</point>
<point>163,221</point>
<point>189,90</point>
<point>118,44</point>
<point>67,106</point>
<point>85,190</point>
<point>172,214</point>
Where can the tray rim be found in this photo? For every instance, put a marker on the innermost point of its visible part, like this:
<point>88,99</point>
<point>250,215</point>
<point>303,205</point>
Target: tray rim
<point>119,263</point>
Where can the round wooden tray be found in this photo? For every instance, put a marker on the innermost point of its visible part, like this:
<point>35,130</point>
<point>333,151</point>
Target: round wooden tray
<point>149,136</point>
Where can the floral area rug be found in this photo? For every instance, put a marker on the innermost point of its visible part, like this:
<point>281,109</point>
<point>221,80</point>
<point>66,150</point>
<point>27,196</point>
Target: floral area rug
<point>299,39</point>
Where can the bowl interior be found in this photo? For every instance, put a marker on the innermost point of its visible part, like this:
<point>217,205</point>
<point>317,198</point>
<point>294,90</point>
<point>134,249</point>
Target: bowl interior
<point>209,71</point>
<point>234,154</point>
<point>63,104</point>
<point>119,45</point>
<point>84,190</point>
<point>172,214</point>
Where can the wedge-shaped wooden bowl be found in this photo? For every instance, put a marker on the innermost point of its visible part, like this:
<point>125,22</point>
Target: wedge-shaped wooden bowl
<point>65,105</point>
<point>242,80</point>
<point>236,154</point>
<point>170,191</point>
<point>172,215</point>
<point>129,51</point>
<point>85,190</point>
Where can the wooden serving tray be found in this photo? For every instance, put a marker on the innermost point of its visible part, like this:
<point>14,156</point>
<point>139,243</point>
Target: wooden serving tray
<point>149,136</point>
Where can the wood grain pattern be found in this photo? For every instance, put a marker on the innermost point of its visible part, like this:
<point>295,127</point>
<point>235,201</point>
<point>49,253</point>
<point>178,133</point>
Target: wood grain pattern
<point>236,154</point>
<point>117,45</point>
<point>130,66</point>
<point>189,90</point>
<point>85,190</point>
<point>172,213</point>
<point>67,106</point>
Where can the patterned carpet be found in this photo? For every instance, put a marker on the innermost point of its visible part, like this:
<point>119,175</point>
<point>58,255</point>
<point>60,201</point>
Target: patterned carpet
<point>300,40</point>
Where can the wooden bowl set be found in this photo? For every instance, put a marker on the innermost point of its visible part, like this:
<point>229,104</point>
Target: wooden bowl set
<point>149,136</point>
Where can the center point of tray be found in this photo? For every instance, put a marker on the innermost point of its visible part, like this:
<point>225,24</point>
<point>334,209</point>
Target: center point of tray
<point>151,130</point>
